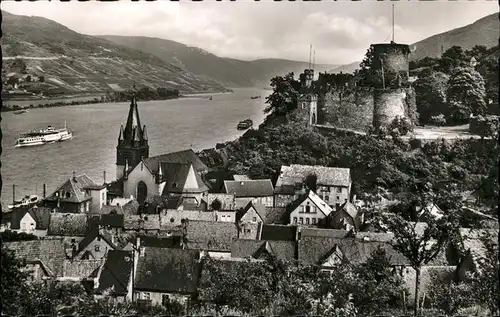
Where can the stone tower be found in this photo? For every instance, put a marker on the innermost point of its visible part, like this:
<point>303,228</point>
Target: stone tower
<point>308,100</point>
<point>390,67</point>
<point>132,142</point>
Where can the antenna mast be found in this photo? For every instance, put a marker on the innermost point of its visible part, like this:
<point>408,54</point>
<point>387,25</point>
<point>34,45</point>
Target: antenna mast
<point>310,50</point>
<point>314,59</point>
<point>392,23</point>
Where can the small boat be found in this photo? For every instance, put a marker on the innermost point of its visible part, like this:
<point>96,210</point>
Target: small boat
<point>255,97</point>
<point>49,135</point>
<point>210,98</point>
<point>20,111</point>
<point>245,124</point>
<point>26,201</point>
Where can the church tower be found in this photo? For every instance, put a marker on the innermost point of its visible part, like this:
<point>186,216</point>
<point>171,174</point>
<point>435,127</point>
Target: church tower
<point>132,142</point>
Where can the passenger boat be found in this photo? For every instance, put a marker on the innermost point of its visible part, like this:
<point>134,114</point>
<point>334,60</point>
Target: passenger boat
<point>20,111</point>
<point>41,137</point>
<point>245,124</point>
<point>26,201</point>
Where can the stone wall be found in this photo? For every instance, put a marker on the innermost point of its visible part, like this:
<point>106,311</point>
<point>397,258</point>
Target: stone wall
<point>347,108</point>
<point>389,104</point>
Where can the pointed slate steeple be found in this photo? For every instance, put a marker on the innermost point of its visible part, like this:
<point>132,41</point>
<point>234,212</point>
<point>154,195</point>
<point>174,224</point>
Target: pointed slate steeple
<point>132,141</point>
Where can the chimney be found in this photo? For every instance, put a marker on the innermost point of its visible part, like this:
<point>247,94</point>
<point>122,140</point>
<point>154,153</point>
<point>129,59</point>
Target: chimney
<point>74,176</point>
<point>44,190</point>
<point>104,176</point>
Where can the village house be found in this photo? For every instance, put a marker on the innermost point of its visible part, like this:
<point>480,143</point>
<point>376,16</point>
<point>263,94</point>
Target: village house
<point>309,210</point>
<point>251,213</point>
<point>210,237</point>
<point>83,271</point>
<point>94,246</point>
<point>78,194</point>
<point>332,184</point>
<point>33,221</point>
<point>44,258</point>
<point>346,217</point>
<point>114,276</point>
<point>165,274</point>
<point>258,191</point>
<point>219,202</point>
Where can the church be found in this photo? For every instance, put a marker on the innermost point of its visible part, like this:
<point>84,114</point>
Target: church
<point>179,173</point>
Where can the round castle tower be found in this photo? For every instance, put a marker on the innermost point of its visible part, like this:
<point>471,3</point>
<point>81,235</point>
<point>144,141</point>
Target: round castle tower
<point>390,67</point>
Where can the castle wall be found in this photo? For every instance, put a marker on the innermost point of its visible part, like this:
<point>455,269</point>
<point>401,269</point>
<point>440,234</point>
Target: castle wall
<point>389,104</point>
<point>347,108</point>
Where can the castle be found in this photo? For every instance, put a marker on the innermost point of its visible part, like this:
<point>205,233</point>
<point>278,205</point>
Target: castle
<point>347,105</point>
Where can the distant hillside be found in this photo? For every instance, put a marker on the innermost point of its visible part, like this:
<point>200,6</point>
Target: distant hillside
<point>484,31</point>
<point>227,71</point>
<point>73,62</point>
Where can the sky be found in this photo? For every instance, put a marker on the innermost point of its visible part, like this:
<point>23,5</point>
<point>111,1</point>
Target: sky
<point>340,32</point>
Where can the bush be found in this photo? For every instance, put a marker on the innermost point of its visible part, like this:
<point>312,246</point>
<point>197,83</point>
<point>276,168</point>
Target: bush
<point>449,296</point>
<point>415,143</point>
<point>438,120</point>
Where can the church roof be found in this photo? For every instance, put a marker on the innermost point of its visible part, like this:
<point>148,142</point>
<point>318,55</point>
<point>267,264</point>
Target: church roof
<point>133,129</point>
<point>185,156</point>
<point>177,176</point>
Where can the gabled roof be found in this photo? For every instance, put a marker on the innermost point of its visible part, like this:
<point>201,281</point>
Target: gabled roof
<point>259,209</point>
<point>49,251</point>
<point>314,250</point>
<point>73,190</point>
<point>279,233</point>
<point>185,156</point>
<point>250,188</point>
<point>64,224</point>
<point>177,177</point>
<point>41,216</point>
<point>243,248</point>
<point>327,176</point>
<point>116,272</point>
<point>91,236</point>
<point>210,235</point>
<point>168,270</point>
<point>315,199</point>
<point>227,201</point>
<point>80,269</point>
<point>349,209</point>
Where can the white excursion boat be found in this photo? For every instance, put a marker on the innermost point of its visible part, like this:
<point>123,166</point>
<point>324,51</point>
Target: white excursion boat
<point>25,201</point>
<point>41,137</point>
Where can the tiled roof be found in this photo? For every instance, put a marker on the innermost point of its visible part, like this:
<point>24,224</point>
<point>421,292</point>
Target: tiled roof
<point>314,250</point>
<point>168,270</point>
<point>260,209</point>
<point>178,215</point>
<point>73,190</point>
<point>68,224</point>
<point>112,220</point>
<point>91,236</point>
<point>49,251</point>
<point>241,178</point>
<point>327,176</point>
<point>146,222</point>
<point>327,233</point>
<point>284,250</point>
<point>375,236</point>
<point>108,209</point>
<point>131,207</point>
<point>176,175</point>
<point>161,242</point>
<point>210,235</point>
<point>182,203</point>
<point>277,215</point>
<point>250,188</point>
<point>279,233</point>
<point>185,156</point>
<point>227,201</point>
<point>116,272</point>
<point>80,268</point>
<point>315,199</point>
<point>349,209</point>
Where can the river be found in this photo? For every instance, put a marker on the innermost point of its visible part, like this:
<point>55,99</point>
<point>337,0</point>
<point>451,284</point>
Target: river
<point>172,125</point>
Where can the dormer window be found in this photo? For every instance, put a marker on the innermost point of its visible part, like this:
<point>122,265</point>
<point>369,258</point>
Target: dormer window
<point>174,185</point>
<point>68,195</point>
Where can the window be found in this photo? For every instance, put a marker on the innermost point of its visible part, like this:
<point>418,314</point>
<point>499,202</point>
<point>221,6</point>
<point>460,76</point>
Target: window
<point>339,189</point>
<point>98,238</point>
<point>301,220</point>
<point>102,196</point>
<point>87,206</point>
<point>142,166</point>
<point>313,221</point>
<point>294,220</point>
<point>146,296</point>
<point>165,300</point>
<point>254,219</point>
<point>68,195</point>
<point>174,185</point>
<point>307,221</point>
<point>338,197</point>
<point>96,248</point>
<point>82,208</point>
<point>308,208</point>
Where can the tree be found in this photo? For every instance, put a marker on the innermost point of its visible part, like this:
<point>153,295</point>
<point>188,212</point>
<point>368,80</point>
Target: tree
<point>283,100</point>
<point>365,72</point>
<point>378,288</point>
<point>419,248</point>
<point>454,57</point>
<point>430,91</point>
<point>311,182</point>
<point>13,282</point>
<point>154,204</point>
<point>450,296</point>
<point>9,236</point>
<point>465,95</point>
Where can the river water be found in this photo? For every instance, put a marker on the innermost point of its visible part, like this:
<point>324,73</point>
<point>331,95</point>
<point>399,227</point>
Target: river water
<point>172,125</point>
